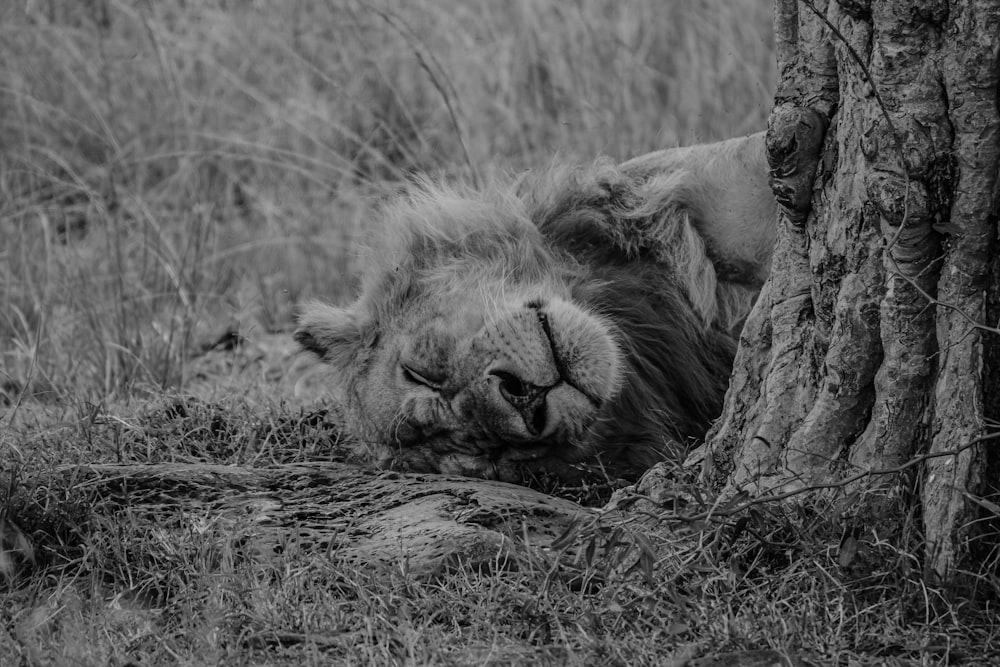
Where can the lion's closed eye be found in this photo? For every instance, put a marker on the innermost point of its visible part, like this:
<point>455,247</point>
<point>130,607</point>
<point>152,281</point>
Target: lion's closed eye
<point>426,378</point>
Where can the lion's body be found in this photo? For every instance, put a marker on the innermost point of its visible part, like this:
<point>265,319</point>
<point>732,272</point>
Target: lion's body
<point>582,315</point>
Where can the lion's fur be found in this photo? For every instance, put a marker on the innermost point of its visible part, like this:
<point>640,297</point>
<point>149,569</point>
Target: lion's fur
<point>643,251</point>
<point>488,235</point>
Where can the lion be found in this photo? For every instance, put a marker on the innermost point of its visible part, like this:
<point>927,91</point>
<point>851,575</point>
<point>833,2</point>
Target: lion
<point>580,318</point>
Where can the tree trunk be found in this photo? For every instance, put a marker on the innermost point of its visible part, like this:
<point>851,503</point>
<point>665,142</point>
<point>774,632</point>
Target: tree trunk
<point>872,346</point>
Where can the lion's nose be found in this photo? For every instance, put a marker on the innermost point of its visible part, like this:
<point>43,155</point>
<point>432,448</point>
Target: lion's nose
<point>526,398</point>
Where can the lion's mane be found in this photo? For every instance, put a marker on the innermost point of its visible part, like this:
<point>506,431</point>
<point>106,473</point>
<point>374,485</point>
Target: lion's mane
<point>643,265</point>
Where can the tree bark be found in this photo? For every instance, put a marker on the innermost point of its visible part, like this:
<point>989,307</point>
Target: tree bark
<point>873,343</point>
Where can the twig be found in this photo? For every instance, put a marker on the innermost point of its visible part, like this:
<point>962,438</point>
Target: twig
<point>760,500</point>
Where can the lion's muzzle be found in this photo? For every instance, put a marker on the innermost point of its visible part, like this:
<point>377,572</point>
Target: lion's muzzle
<point>551,367</point>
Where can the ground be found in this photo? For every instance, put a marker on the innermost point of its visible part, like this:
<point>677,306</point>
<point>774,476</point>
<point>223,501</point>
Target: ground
<point>152,577</point>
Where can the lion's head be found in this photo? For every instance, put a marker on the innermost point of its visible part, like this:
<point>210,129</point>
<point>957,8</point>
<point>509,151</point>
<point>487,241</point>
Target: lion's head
<point>572,317</point>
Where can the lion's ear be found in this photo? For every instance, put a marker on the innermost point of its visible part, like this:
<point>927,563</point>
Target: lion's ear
<point>335,334</point>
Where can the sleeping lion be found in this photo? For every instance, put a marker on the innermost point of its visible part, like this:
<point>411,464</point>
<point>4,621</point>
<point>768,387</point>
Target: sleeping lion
<point>578,319</point>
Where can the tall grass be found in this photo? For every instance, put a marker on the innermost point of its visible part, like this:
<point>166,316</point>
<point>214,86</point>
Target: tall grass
<point>170,169</point>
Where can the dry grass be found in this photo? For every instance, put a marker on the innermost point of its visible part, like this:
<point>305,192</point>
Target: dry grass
<point>173,170</point>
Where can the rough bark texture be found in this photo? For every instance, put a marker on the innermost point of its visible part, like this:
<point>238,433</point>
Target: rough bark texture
<point>866,348</point>
<point>429,522</point>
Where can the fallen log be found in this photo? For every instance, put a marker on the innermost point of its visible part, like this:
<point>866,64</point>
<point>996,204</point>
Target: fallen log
<point>431,522</point>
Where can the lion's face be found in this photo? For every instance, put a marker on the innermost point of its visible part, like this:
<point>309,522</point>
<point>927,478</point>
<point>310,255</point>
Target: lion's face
<point>467,352</point>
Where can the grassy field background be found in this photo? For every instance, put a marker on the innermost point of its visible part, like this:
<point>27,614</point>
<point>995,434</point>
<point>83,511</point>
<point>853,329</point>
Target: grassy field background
<point>171,171</point>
